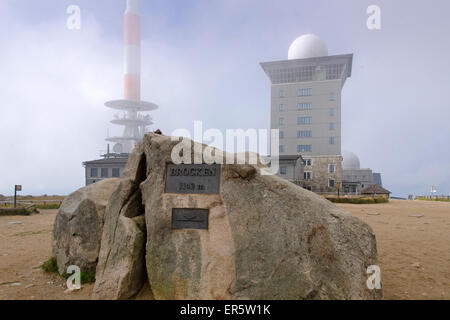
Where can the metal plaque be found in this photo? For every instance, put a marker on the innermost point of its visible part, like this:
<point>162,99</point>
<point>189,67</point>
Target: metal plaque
<point>193,178</point>
<point>184,218</point>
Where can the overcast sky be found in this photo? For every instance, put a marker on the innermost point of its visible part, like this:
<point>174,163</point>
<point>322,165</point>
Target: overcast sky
<point>201,62</point>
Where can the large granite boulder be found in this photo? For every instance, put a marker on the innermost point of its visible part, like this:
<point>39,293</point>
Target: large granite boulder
<point>266,238</point>
<point>121,270</point>
<point>78,226</point>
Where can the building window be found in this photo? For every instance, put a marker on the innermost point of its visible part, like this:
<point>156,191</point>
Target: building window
<point>281,134</point>
<point>94,172</point>
<point>304,120</point>
<point>331,168</point>
<point>331,125</point>
<point>331,140</point>
<point>307,175</point>
<point>304,92</point>
<point>331,183</point>
<point>281,121</point>
<point>308,162</point>
<point>281,148</point>
<point>332,96</point>
<point>104,173</point>
<point>281,107</point>
<point>304,148</point>
<point>331,112</point>
<point>304,106</point>
<point>304,134</point>
<point>282,170</point>
<point>281,93</point>
<point>115,172</point>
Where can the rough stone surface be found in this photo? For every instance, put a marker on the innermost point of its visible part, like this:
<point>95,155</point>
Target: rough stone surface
<point>121,271</point>
<point>79,225</point>
<point>267,238</point>
<point>321,173</point>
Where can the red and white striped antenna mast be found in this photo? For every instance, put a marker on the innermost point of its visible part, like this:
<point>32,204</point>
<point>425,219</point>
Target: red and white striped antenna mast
<point>134,121</point>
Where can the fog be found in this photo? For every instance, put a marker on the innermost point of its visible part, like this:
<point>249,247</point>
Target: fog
<point>200,61</point>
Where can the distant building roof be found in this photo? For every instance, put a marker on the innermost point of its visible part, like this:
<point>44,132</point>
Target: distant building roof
<point>375,189</point>
<point>285,158</point>
<point>111,160</point>
<point>290,157</point>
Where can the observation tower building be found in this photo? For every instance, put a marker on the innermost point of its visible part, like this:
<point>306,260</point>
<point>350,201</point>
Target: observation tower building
<point>135,123</point>
<point>130,109</point>
<point>306,108</point>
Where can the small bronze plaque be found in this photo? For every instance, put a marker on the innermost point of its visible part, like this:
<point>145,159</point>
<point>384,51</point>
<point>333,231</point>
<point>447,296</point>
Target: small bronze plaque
<point>184,218</point>
<point>193,178</point>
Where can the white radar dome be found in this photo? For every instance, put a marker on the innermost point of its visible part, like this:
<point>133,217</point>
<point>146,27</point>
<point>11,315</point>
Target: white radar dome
<point>350,160</point>
<point>307,46</point>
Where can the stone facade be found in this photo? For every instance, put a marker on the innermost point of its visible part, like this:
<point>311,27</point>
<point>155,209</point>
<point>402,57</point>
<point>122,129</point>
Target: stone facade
<point>318,176</point>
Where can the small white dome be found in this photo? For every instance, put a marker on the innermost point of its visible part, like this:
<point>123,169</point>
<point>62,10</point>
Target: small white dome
<point>307,46</point>
<point>350,160</point>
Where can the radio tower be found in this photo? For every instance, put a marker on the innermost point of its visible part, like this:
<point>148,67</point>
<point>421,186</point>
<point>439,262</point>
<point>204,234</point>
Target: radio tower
<point>131,106</point>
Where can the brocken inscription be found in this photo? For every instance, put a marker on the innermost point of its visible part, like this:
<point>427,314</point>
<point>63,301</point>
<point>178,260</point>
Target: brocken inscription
<point>193,178</point>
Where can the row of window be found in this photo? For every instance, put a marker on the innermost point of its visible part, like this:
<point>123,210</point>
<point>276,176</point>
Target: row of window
<point>300,148</point>
<point>360,178</point>
<point>305,106</point>
<point>331,167</point>
<point>104,173</point>
<point>306,133</point>
<point>300,106</point>
<point>303,120</point>
<point>307,73</point>
<point>303,147</point>
<point>300,93</point>
<point>307,175</point>
<point>305,93</point>
<point>300,134</point>
<point>300,120</point>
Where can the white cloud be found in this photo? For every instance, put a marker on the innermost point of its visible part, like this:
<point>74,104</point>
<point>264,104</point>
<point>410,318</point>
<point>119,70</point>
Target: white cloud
<point>54,84</point>
<point>201,62</point>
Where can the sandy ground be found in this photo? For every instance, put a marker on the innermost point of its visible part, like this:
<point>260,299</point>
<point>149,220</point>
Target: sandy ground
<point>414,253</point>
<point>23,247</point>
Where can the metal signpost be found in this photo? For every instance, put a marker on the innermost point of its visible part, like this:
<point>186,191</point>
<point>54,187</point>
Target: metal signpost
<point>17,187</point>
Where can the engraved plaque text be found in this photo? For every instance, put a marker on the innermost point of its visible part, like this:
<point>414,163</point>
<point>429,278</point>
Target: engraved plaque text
<point>184,218</point>
<point>193,178</point>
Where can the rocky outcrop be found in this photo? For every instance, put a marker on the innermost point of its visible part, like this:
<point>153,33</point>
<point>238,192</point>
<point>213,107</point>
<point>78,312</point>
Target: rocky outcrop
<point>266,238</point>
<point>121,269</point>
<point>78,226</point>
